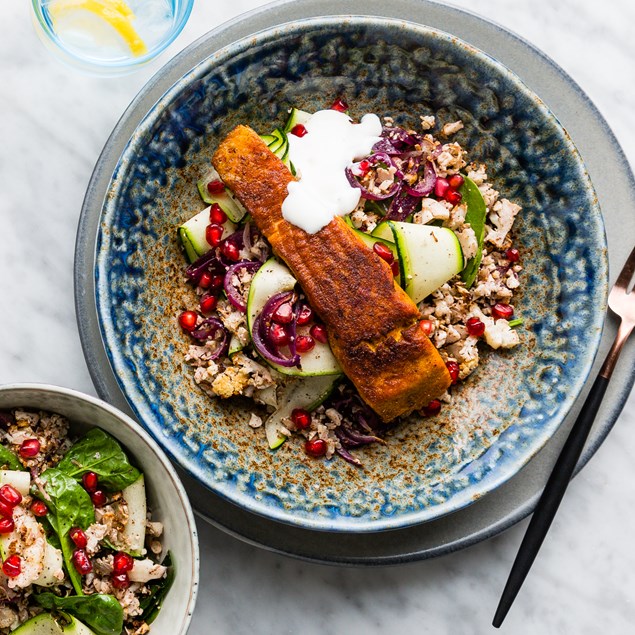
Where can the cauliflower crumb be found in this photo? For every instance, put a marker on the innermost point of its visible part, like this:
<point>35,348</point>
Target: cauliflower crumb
<point>468,241</point>
<point>499,334</point>
<point>451,128</point>
<point>502,217</point>
<point>431,209</point>
<point>255,421</point>
<point>428,122</point>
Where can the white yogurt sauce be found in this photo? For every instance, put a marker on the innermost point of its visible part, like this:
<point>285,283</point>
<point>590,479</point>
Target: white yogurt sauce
<point>320,157</point>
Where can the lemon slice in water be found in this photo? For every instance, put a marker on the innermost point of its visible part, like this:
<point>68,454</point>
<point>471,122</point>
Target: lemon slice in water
<point>114,12</point>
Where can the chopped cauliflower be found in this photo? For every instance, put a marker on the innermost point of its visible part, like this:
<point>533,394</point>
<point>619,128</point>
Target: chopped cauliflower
<point>468,241</point>
<point>451,128</point>
<point>431,209</point>
<point>502,217</point>
<point>498,334</point>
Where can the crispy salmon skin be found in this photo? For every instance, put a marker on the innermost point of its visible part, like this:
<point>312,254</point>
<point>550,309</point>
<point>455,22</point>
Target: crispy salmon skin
<point>373,326</point>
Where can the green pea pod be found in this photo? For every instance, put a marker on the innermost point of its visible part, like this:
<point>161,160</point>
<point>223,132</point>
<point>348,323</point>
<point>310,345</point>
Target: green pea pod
<point>475,216</point>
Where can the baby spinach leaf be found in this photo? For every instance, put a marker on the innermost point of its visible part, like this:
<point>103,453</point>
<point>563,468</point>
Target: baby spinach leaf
<point>475,216</point>
<point>151,603</point>
<point>98,452</point>
<point>10,460</point>
<point>102,613</point>
<point>69,506</point>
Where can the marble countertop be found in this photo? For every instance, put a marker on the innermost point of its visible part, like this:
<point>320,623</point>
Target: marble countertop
<point>54,123</point>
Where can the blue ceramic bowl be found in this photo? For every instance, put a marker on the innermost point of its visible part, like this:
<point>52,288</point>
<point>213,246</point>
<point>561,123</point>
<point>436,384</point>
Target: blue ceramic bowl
<point>506,411</point>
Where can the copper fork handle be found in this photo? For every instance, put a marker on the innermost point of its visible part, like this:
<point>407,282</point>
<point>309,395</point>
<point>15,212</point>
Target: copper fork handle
<point>623,332</point>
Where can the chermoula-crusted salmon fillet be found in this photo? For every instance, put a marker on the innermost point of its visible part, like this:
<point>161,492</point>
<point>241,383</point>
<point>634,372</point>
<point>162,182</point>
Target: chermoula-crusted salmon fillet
<point>373,326</point>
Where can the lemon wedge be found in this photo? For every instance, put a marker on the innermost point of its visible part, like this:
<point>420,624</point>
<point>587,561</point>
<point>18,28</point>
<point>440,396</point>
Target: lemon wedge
<point>116,13</point>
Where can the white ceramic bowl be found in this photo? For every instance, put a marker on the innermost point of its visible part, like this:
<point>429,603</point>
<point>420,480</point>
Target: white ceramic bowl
<point>166,495</point>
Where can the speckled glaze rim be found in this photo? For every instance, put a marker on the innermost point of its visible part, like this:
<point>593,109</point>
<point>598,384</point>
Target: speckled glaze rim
<point>503,513</point>
<point>154,448</point>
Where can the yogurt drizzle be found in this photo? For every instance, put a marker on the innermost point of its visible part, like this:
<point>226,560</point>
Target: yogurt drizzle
<point>320,157</point>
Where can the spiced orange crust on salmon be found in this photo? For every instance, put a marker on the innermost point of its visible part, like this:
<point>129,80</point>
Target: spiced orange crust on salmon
<point>372,324</point>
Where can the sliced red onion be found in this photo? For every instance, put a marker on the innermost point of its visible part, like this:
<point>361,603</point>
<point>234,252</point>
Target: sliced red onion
<point>402,206</point>
<point>260,332</point>
<point>207,262</point>
<point>424,186</point>
<point>233,294</point>
<point>386,147</point>
<point>347,456</point>
<point>247,237</point>
<point>208,329</point>
<point>373,160</point>
<point>400,138</point>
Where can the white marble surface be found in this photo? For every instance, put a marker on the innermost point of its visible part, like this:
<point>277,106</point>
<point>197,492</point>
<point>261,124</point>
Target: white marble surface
<point>54,122</point>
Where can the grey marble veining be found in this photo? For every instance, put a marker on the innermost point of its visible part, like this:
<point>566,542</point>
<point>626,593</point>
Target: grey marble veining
<point>54,123</point>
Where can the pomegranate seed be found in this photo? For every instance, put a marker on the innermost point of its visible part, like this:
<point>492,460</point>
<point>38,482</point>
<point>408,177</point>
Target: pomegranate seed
<point>205,280</point>
<point>39,509</point>
<point>427,326</point>
<point>301,418</point>
<point>340,105</point>
<point>208,303</point>
<point>502,311</point>
<point>230,251</point>
<point>315,447</point>
<point>122,562</point>
<point>90,480</point>
<point>453,197</point>
<point>81,562</point>
<point>455,181</point>
<point>475,327</point>
<point>120,580</point>
<point>29,448</point>
<point>216,187</point>
<point>6,511</point>
<point>283,314</point>
<point>318,333</point>
<point>6,525</point>
<point>383,252</point>
<point>278,335</point>
<point>304,343</point>
<point>361,169</point>
<point>10,495</point>
<point>12,566</point>
<point>305,315</point>
<point>433,408</point>
<point>441,187</point>
<point>217,281</point>
<point>187,320</point>
<point>99,498</point>
<point>453,369</point>
<point>394,266</point>
<point>77,535</point>
<point>214,235</point>
<point>217,215</point>
<point>512,254</point>
<point>299,130</point>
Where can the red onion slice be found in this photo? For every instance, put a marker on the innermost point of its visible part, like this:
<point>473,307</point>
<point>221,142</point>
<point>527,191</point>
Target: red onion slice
<point>373,160</point>
<point>233,294</point>
<point>424,186</point>
<point>208,329</point>
<point>207,262</point>
<point>260,332</point>
<point>402,206</point>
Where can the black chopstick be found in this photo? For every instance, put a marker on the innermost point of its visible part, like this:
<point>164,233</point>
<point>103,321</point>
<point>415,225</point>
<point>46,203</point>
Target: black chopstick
<point>551,497</point>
